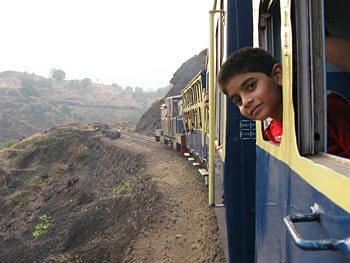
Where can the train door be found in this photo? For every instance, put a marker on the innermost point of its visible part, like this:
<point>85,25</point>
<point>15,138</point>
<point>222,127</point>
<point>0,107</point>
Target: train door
<point>302,202</point>
<point>239,140</point>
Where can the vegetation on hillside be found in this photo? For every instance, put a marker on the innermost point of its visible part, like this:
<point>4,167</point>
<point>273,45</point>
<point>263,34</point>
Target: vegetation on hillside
<point>33,104</point>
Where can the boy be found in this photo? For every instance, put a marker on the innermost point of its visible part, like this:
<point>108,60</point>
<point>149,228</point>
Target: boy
<point>252,79</point>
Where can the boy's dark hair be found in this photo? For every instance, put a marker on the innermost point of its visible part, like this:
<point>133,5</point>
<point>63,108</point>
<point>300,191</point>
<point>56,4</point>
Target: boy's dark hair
<point>244,60</point>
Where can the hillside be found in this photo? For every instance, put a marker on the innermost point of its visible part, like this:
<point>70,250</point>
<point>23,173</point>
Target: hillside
<point>31,104</point>
<point>74,195</point>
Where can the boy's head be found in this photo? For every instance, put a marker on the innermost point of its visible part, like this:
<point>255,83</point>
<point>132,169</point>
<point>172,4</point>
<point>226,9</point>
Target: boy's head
<point>252,79</point>
<point>248,59</point>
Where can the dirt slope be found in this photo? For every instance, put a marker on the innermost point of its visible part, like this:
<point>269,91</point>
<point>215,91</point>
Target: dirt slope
<point>74,195</point>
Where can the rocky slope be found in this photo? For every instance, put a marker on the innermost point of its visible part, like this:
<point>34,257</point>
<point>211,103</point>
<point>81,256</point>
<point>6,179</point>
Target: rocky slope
<point>74,195</point>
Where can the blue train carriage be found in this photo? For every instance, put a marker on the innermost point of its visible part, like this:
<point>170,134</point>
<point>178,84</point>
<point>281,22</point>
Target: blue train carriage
<point>195,116</point>
<point>171,130</point>
<point>286,203</point>
<point>302,193</point>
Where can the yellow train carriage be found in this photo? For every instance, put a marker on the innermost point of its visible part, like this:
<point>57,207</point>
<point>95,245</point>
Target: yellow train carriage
<point>195,115</point>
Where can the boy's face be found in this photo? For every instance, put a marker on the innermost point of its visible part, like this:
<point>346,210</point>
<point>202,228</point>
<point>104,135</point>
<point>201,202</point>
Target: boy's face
<point>257,95</point>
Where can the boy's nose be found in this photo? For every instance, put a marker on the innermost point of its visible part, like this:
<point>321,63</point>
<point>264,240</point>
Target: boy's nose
<point>246,101</point>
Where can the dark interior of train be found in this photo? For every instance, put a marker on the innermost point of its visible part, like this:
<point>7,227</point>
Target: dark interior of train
<point>337,21</point>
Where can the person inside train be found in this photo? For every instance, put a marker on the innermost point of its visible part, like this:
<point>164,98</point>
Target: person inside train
<point>206,100</point>
<point>252,79</point>
<point>337,52</point>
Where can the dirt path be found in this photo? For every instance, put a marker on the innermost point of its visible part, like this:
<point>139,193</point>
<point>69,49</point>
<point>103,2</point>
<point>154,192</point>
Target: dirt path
<point>74,195</point>
<point>186,230</point>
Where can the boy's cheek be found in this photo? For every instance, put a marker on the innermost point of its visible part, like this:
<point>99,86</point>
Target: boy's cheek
<point>244,112</point>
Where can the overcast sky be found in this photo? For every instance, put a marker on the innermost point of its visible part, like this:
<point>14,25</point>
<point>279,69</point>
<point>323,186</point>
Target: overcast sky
<point>137,43</point>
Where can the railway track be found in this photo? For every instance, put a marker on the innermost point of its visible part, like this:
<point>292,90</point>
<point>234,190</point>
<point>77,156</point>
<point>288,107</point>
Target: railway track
<point>138,136</point>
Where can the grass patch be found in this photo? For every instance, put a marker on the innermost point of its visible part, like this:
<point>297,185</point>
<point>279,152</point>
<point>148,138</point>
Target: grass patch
<point>19,199</point>
<point>122,187</point>
<point>82,152</point>
<point>9,143</point>
<point>43,226</point>
<point>34,181</point>
<point>58,168</point>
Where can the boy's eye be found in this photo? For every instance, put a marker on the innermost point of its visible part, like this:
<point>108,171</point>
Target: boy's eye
<point>251,86</point>
<point>237,100</point>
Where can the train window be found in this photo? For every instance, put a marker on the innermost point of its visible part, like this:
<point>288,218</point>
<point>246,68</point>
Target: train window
<point>220,122</point>
<point>270,33</point>
<point>308,75</point>
<point>220,102</point>
<point>220,99</point>
<point>314,77</point>
<point>270,27</point>
<point>175,108</point>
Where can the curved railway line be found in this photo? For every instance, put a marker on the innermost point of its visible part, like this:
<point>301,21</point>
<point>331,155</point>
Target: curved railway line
<point>138,136</point>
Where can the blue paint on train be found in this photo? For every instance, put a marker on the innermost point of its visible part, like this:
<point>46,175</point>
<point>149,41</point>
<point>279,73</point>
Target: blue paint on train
<point>239,191</point>
<point>239,169</point>
<point>281,192</point>
<point>194,144</point>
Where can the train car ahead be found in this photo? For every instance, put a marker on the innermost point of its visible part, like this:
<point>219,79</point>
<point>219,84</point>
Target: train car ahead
<point>171,130</point>
<point>195,116</point>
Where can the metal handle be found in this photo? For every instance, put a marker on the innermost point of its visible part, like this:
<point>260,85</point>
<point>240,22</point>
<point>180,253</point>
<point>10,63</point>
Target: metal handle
<point>342,245</point>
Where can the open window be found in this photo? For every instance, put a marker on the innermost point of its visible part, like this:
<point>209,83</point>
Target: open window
<point>313,76</point>
<point>220,54</point>
<point>308,75</point>
<point>270,33</point>
<point>270,27</point>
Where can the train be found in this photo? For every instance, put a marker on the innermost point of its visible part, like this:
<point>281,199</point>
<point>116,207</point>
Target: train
<point>274,203</point>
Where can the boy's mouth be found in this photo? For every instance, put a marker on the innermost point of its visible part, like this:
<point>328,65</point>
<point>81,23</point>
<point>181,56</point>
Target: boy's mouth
<point>255,111</point>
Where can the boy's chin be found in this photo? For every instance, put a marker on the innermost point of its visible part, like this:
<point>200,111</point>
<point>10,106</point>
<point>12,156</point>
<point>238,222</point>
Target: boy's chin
<point>251,118</point>
<point>257,118</point>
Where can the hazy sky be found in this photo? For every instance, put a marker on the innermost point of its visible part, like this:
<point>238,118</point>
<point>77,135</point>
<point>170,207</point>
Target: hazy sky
<point>137,43</point>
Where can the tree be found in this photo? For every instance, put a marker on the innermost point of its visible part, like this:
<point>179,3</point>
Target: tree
<point>129,91</point>
<point>117,87</point>
<point>57,74</point>
<point>27,88</point>
<point>86,83</point>
<point>138,94</point>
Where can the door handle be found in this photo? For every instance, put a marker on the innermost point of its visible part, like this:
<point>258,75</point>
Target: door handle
<point>342,245</point>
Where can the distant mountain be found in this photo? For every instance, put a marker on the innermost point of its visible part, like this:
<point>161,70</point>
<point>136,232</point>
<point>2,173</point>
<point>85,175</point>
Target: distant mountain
<point>31,104</point>
<point>181,78</point>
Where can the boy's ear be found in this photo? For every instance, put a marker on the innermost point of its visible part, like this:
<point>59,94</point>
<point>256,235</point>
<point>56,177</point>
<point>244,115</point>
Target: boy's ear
<point>277,73</point>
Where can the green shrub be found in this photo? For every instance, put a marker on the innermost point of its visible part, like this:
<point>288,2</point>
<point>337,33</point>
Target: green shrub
<point>20,199</point>
<point>9,143</point>
<point>43,226</point>
<point>82,152</point>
